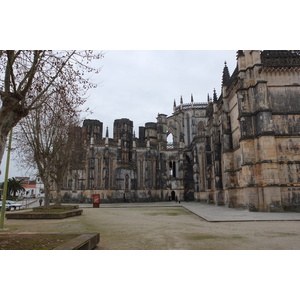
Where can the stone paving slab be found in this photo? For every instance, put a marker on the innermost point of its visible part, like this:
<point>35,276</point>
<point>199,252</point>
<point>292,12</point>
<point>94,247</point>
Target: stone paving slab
<point>212,213</point>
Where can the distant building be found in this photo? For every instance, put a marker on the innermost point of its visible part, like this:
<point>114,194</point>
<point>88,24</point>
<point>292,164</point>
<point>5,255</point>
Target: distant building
<point>241,149</point>
<point>39,189</point>
<point>33,188</point>
<point>28,185</point>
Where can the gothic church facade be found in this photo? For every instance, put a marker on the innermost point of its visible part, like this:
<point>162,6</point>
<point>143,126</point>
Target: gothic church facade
<point>241,149</point>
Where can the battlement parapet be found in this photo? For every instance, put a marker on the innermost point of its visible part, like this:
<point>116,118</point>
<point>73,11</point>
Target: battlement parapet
<point>192,105</point>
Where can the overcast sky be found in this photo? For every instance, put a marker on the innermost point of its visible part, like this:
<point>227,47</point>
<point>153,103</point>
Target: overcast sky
<point>140,84</point>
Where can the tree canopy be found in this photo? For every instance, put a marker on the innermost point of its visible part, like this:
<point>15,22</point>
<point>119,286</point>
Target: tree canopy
<point>13,186</point>
<point>28,78</point>
<point>44,140</point>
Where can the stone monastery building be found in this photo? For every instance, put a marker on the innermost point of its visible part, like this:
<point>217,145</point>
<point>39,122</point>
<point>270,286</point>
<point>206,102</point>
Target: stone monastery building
<point>241,149</point>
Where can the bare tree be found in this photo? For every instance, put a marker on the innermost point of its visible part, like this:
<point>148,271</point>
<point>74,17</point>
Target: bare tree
<point>29,78</point>
<point>45,139</point>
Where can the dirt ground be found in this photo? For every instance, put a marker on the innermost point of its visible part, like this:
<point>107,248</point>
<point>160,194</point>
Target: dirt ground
<point>167,228</point>
<point>33,241</point>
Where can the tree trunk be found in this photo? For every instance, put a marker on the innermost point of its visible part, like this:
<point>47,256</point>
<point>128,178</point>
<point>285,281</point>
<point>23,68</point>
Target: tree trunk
<point>46,180</point>
<point>47,194</point>
<point>58,193</point>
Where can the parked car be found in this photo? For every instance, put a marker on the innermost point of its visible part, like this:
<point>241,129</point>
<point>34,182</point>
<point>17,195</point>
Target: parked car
<point>14,204</point>
<point>7,206</point>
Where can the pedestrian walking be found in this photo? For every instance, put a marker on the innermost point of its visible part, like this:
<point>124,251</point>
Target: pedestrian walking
<point>40,201</point>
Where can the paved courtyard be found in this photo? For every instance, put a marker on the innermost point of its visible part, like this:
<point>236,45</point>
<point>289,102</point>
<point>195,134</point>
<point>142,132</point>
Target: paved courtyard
<point>171,226</point>
<point>212,213</point>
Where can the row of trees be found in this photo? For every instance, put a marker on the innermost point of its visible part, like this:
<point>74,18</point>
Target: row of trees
<point>42,92</point>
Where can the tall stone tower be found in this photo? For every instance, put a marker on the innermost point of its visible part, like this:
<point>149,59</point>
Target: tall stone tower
<point>93,129</point>
<point>123,134</point>
<point>253,133</point>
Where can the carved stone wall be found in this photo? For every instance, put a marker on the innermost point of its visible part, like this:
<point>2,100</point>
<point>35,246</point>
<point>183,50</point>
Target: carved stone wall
<point>261,103</point>
<point>241,149</point>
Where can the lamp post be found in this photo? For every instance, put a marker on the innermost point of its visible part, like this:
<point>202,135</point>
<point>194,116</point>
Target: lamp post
<point>5,182</point>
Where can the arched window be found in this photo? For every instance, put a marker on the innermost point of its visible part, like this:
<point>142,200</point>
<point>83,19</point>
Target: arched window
<point>201,129</point>
<point>70,182</point>
<point>126,183</point>
<point>170,139</point>
<point>188,125</point>
<point>172,168</point>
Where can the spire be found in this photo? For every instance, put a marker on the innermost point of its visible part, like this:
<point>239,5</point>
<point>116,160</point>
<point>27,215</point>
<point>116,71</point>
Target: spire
<point>207,97</point>
<point>181,101</point>
<point>174,103</point>
<point>134,141</point>
<point>192,100</point>
<point>226,75</point>
<point>106,138</point>
<point>215,98</point>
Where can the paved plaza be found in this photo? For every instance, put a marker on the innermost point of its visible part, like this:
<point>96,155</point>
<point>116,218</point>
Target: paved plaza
<point>174,226</point>
<point>208,212</point>
<point>211,212</point>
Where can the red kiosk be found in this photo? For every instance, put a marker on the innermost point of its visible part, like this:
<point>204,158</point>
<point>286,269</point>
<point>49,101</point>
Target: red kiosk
<point>96,200</point>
